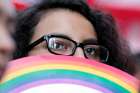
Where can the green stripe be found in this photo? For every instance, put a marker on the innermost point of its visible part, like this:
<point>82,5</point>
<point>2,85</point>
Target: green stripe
<point>61,74</point>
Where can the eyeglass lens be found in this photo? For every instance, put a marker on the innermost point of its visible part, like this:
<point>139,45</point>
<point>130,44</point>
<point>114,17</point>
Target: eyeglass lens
<point>64,46</point>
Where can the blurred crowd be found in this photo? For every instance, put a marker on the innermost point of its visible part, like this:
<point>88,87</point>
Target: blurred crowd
<point>126,17</point>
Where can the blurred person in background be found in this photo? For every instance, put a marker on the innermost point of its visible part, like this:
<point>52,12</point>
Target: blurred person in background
<point>72,28</point>
<point>7,44</point>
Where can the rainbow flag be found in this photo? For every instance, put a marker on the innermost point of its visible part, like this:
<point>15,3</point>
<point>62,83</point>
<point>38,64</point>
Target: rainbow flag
<point>65,74</point>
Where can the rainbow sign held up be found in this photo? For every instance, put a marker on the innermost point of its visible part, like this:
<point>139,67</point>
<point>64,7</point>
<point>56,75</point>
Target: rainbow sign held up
<point>65,74</point>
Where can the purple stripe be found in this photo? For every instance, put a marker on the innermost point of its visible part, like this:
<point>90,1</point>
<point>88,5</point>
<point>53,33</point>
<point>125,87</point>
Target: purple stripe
<point>61,81</point>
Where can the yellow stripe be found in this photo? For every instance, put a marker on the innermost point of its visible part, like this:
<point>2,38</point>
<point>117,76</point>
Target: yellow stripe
<point>103,69</point>
<point>69,67</point>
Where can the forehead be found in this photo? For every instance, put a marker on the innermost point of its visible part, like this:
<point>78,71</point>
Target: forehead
<point>67,22</point>
<point>64,18</point>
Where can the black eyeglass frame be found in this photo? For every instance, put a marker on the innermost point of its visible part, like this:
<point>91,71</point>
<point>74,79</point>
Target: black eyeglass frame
<point>47,37</point>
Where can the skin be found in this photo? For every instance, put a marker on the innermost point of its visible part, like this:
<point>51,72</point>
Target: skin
<point>6,43</point>
<point>63,22</point>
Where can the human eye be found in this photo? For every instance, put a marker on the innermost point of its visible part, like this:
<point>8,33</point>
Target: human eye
<point>96,52</point>
<point>92,51</point>
<point>59,45</point>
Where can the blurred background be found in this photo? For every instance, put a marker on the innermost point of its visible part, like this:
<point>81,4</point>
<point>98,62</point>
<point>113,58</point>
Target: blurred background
<point>125,12</point>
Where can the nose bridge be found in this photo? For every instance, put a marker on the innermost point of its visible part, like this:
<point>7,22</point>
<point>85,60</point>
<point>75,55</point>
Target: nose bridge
<point>79,52</point>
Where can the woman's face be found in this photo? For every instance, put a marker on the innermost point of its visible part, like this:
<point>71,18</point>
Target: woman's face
<point>65,23</point>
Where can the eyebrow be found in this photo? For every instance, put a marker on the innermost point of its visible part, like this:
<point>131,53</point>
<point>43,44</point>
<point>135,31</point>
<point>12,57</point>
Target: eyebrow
<point>90,41</point>
<point>62,35</point>
<point>87,41</point>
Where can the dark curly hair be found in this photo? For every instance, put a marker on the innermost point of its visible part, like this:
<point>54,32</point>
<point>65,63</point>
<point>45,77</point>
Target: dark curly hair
<point>103,23</point>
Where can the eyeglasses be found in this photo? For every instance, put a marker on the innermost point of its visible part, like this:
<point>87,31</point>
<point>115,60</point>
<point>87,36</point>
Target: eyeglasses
<point>60,45</point>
